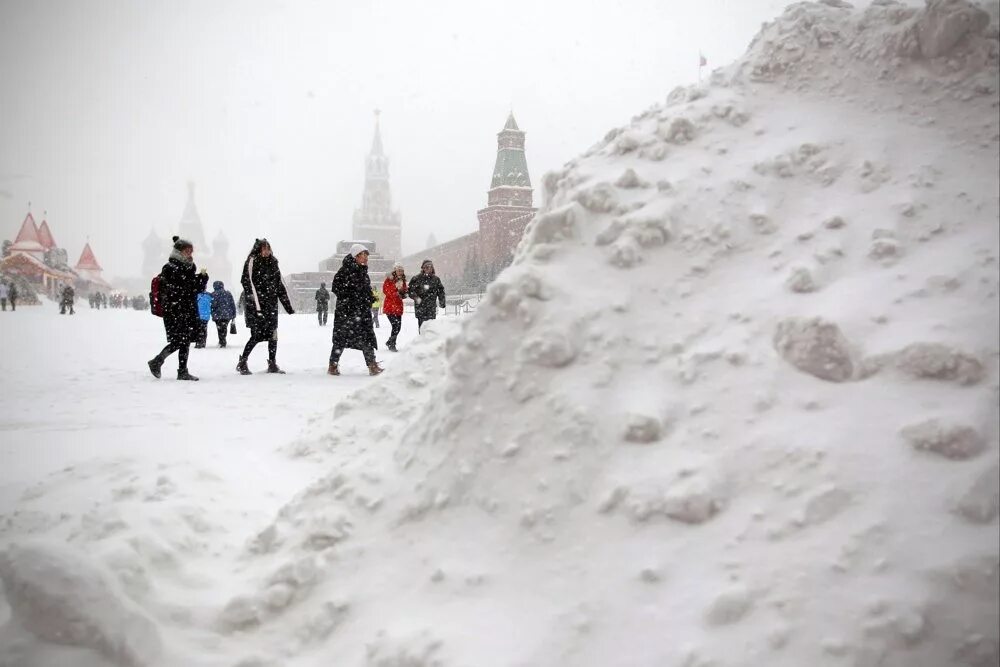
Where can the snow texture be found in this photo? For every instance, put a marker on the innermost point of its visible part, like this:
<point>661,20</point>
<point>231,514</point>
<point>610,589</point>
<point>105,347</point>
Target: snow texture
<point>646,446</point>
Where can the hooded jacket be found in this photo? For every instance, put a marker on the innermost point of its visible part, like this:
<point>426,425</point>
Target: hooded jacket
<point>223,305</point>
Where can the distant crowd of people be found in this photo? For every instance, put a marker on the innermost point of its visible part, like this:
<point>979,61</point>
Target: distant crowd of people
<point>116,301</point>
<point>66,298</point>
<point>179,296</point>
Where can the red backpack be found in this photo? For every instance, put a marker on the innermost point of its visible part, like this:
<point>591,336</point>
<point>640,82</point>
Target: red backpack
<point>155,298</point>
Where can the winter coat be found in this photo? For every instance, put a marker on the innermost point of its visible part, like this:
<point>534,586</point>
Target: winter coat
<point>205,306</point>
<point>352,315</point>
<point>4,291</point>
<point>223,306</point>
<point>264,288</point>
<point>426,292</point>
<point>13,291</point>
<point>393,303</point>
<point>322,299</point>
<point>180,284</point>
<point>68,294</point>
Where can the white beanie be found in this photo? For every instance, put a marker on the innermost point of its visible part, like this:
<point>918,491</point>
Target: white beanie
<point>357,249</point>
<point>397,265</point>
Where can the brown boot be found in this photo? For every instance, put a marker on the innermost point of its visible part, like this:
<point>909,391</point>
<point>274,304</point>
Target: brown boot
<point>375,369</point>
<point>333,370</point>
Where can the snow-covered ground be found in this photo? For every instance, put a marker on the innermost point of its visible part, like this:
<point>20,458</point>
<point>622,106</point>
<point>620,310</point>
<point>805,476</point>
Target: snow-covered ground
<point>77,387</point>
<point>90,440</point>
<point>734,404</point>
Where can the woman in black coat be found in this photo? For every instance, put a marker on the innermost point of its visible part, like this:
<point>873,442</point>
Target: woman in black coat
<point>263,287</point>
<point>352,315</point>
<point>180,284</point>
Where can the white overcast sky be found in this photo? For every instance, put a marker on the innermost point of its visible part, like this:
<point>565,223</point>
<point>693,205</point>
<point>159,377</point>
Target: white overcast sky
<point>108,107</point>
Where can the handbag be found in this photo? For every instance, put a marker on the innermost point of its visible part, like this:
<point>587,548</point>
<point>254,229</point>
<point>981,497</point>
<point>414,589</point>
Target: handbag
<point>232,327</point>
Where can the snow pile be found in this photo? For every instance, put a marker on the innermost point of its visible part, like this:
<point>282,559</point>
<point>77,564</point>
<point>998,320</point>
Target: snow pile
<point>793,463</point>
<point>735,403</point>
<point>67,611</point>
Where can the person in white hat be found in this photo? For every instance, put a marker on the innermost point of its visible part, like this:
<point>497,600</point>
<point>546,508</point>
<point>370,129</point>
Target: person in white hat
<point>352,315</point>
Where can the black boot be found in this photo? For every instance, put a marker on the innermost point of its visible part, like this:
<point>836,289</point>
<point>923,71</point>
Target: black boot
<point>184,375</point>
<point>155,364</point>
<point>272,367</point>
<point>241,367</point>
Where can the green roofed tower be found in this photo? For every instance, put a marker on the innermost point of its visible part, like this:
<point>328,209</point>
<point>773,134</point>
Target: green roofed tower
<point>509,201</point>
<point>511,184</point>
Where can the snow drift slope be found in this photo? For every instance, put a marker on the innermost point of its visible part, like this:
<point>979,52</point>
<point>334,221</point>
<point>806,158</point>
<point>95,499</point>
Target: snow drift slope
<point>735,403</point>
<point>795,464</point>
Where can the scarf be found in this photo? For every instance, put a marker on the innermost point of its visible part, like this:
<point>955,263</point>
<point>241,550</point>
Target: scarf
<point>181,257</point>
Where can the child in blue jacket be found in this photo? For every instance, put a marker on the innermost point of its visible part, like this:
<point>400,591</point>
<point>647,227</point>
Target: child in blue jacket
<point>223,310</point>
<point>204,315</point>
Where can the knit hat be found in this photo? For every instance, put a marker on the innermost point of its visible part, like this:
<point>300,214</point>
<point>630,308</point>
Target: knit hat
<point>397,265</point>
<point>425,263</point>
<point>181,244</point>
<point>357,249</point>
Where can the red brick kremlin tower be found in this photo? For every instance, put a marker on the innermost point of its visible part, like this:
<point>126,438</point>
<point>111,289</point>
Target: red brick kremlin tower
<point>509,201</point>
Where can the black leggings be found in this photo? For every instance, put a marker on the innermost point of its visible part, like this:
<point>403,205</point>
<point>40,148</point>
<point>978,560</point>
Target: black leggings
<point>396,321</point>
<point>182,350</point>
<point>260,337</point>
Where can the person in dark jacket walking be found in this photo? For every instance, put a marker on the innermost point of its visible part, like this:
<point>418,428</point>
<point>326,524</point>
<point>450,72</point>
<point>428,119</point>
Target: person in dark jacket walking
<point>322,304</point>
<point>352,314</point>
<point>67,296</point>
<point>223,310</point>
<point>13,296</point>
<point>427,292</point>
<point>263,287</point>
<point>180,284</point>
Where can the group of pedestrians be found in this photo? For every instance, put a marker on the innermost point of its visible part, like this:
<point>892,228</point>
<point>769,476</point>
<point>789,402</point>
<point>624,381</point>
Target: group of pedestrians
<point>187,306</point>
<point>357,307</point>
<point>8,292</point>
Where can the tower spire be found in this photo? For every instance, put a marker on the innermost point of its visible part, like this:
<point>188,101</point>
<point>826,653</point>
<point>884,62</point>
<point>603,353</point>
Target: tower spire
<point>376,220</point>
<point>190,225</point>
<point>377,140</point>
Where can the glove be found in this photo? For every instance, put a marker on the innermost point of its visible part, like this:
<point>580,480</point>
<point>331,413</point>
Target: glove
<point>290,311</point>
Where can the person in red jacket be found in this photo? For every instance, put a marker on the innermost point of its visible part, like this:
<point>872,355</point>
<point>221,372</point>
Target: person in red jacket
<point>394,289</point>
